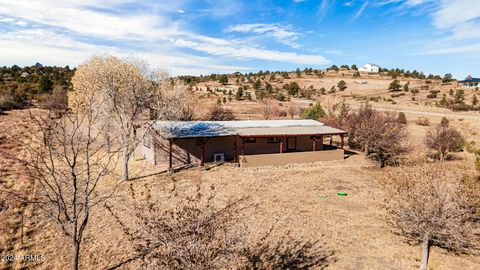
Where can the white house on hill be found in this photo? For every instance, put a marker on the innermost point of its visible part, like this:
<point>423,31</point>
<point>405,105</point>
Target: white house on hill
<point>371,68</point>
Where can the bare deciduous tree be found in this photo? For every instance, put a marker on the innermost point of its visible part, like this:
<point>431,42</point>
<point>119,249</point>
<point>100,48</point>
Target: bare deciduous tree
<point>382,136</point>
<point>171,100</point>
<point>125,90</point>
<point>267,110</point>
<point>67,162</point>
<point>430,205</point>
<point>292,111</point>
<point>219,113</point>
<point>444,139</point>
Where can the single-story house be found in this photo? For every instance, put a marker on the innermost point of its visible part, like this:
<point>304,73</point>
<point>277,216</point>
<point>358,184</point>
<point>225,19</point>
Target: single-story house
<point>470,82</point>
<point>247,142</point>
<point>370,68</point>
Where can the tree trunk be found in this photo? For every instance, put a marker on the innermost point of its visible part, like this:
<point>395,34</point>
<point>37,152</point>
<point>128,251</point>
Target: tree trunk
<point>125,164</point>
<point>425,251</point>
<point>76,253</point>
<point>381,162</point>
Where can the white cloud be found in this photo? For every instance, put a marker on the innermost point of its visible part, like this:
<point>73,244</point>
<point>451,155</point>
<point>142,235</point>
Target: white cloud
<point>60,25</point>
<point>461,17</point>
<point>25,47</point>
<point>13,21</point>
<point>278,32</point>
<point>245,52</point>
<point>458,21</point>
<point>475,48</point>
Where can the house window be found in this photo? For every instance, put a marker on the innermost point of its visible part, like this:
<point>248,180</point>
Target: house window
<point>249,140</point>
<point>273,139</point>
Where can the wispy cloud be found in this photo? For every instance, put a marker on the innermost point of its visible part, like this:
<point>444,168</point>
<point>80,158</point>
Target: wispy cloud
<point>475,48</point>
<point>323,8</point>
<point>279,33</point>
<point>12,21</point>
<point>72,29</point>
<point>461,17</point>
<point>360,10</point>
<point>46,46</point>
<point>458,23</point>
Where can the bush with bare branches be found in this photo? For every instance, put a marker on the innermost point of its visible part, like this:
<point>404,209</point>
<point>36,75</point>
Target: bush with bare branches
<point>219,113</point>
<point>200,233</point>
<point>444,139</point>
<point>430,205</point>
<point>383,137</point>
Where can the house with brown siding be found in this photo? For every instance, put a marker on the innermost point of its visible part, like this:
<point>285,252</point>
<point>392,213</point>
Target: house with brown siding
<point>247,142</point>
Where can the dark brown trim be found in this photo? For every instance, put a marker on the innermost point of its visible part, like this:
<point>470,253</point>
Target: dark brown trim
<point>235,159</point>
<point>290,135</point>
<point>170,161</point>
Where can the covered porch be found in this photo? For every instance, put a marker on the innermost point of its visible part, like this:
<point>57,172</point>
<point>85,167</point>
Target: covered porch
<point>253,142</point>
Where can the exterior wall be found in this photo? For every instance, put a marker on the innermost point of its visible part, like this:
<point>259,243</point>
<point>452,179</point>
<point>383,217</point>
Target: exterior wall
<point>147,148</point>
<point>218,145</point>
<point>289,158</point>
<point>262,146</point>
<point>369,68</point>
<point>469,84</point>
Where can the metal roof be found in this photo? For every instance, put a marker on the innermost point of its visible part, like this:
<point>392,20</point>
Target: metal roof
<point>199,129</point>
<point>471,80</point>
<point>289,131</point>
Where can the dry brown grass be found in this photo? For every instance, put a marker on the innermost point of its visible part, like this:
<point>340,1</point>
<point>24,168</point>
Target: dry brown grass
<point>290,197</point>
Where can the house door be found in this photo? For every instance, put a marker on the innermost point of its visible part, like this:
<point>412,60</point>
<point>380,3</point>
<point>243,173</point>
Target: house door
<point>291,143</point>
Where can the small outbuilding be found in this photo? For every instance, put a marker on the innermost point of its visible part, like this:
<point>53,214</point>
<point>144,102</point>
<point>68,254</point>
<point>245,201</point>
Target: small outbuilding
<point>248,142</point>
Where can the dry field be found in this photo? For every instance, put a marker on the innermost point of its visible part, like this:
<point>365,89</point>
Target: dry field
<point>290,198</point>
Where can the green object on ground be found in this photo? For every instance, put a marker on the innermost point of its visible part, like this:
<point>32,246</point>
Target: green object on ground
<point>341,193</point>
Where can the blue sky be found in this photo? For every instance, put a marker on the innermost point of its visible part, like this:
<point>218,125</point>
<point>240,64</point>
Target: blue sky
<point>215,36</point>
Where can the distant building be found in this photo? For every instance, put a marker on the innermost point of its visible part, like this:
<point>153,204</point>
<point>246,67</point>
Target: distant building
<point>24,74</point>
<point>371,68</point>
<point>470,82</point>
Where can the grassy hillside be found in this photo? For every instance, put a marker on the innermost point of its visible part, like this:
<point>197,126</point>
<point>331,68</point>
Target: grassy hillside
<point>293,91</point>
<point>20,86</point>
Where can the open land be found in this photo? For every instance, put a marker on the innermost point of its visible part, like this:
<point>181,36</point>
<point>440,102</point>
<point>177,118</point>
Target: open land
<point>299,198</point>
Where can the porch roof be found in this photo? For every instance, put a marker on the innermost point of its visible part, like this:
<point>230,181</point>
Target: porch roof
<point>246,128</point>
<point>289,131</point>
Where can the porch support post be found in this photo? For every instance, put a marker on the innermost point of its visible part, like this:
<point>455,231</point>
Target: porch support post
<point>341,141</point>
<point>202,154</point>
<point>235,159</point>
<point>170,159</point>
<point>242,140</point>
<point>314,143</point>
<point>281,145</point>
